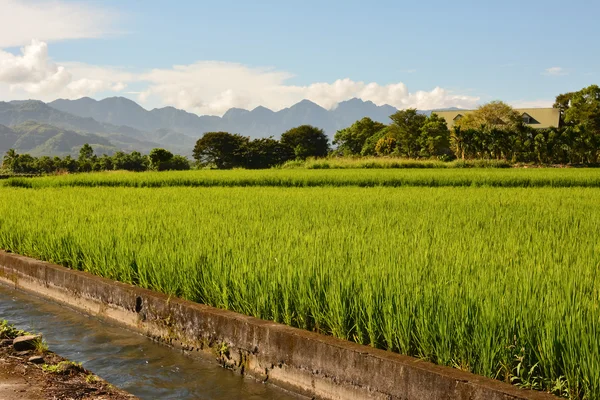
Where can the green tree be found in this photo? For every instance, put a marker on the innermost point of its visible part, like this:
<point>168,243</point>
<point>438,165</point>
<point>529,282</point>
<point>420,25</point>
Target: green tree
<point>266,153</point>
<point>223,149</point>
<point>130,162</point>
<point>489,131</point>
<point>45,165</point>
<point>369,148</point>
<point>435,136</point>
<point>86,158</point>
<point>351,140</point>
<point>306,141</point>
<point>86,152</point>
<point>10,160</point>
<point>178,163</point>
<point>583,118</point>
<point>563,102</point>
<point>159,159</point>
<point>494,115</point>
<point>385,146</point>
<point>406,130</point>
<point>104,163</point>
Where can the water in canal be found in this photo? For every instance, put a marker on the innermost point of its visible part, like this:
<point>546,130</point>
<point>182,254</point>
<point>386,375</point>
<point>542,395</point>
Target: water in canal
<point>126,359</point>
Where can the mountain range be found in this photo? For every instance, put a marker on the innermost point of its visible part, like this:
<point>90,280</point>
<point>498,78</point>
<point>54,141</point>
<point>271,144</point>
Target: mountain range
<point>118,123</point>
<point>259,122</point>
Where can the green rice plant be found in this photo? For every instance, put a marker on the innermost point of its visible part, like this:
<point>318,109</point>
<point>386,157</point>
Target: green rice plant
<point>421,177</point>
<point>502,282</point>
<point>335,162</point>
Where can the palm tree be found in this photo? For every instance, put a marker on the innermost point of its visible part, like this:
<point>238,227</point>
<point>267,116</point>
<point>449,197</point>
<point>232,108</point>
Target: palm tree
<point>10,159</point>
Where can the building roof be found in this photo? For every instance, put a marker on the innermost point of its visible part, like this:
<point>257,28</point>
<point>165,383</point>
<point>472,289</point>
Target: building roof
<point>539,117</point>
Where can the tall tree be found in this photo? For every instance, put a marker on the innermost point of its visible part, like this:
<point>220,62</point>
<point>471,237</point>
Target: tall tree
<point>406,130</point>
<point>159,159</point>
<point>86,158</point>
<point>266,153</point>
<point>352,139</point>
<point>583,118</point>
<point>563,101</point>
<point>488,131</point>
<point>435,136</point>
<point>494,115</point>
<point>224,149</point>
<point>10,159</point>
<point>306,141</point>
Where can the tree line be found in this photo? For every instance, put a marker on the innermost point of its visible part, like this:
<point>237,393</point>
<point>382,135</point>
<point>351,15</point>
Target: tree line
<point>157,160</point>
<point>493,131</point>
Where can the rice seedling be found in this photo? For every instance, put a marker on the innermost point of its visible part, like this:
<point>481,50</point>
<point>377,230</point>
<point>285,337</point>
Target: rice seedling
<point>502,282</point>
<point>457,177</point>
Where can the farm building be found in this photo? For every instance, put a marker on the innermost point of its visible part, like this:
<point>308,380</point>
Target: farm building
<point>535,117</point>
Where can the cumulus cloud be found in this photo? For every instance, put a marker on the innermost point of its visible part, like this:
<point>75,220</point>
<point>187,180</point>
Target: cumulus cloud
<point>51,20</point>
<point>32,72</point>
<point>214,87</point>
<point>555,71</point>
<point>207,87</point>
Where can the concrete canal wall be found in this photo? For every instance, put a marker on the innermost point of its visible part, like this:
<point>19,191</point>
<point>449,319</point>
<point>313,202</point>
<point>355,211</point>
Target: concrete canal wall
<point>308,363</point>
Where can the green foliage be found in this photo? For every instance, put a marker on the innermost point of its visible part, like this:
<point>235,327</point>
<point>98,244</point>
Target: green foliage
<point>223,149</point>
<point>385,146</point>
<point>86,152</point>
<point>382,270</point>
<point>369,147</point>
<point>178,163</point>
<point>583,117</point>
<point>63,368</point>
<point>351,140</point>
<point>159,159</point>
<point>8,331</point>
<point>266,153</point>
<point>406,130</point>
<point>410,135</point>
<point>134,161</point>
<point>435,137</point>
<point>493,116</point>
<point>306,141</point>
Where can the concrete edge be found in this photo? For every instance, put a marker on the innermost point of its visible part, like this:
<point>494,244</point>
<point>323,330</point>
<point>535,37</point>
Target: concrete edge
<point>305,362</point>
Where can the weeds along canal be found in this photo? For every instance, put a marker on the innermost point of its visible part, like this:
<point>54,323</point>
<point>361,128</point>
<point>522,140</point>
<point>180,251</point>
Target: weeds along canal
<point>126,359</point>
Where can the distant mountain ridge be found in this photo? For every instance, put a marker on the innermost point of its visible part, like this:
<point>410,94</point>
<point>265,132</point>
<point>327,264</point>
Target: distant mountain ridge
<point>122,124</point>
<point>121,137</point>
<point>259,122</point>
<point>42,139</point>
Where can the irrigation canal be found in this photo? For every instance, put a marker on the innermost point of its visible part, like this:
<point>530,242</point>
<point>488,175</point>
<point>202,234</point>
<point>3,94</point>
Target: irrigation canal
<point>126,359</point>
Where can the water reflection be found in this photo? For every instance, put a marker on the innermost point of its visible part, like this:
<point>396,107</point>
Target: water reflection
<point>126,359</point>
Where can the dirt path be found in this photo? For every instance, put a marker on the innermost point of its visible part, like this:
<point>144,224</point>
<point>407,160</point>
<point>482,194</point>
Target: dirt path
<point>21,379</point>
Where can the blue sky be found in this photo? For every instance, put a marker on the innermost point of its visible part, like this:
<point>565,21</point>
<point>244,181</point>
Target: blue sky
<point>246,53</point>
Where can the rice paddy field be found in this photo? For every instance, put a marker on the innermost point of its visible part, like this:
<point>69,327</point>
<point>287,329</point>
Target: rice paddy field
<point>425,177</point>
<point>490,271</point>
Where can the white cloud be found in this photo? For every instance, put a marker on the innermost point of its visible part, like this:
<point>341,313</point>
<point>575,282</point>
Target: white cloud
<point>555,71</point>
<point>34,73</point>
<point>207,87</point>
<point>541,103</point>
<point>213,87</point>
<point>51,20</point>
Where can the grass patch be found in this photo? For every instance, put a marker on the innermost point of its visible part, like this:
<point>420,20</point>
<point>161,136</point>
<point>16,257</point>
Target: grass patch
<point>63,368</point>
